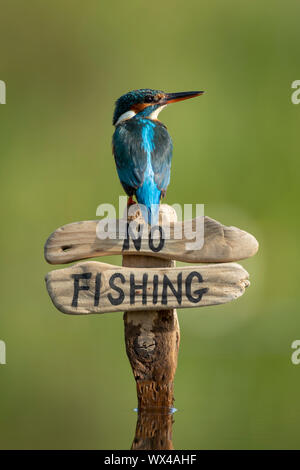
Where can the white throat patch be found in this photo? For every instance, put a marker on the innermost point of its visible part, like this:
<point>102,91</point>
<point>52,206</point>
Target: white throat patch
<point>156,112</point>
<point>128,115</point>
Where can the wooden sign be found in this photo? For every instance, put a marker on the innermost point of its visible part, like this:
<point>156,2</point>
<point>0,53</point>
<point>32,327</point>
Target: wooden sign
<point>148,287</point>
<point>79,240</point>
<point>93,287</point>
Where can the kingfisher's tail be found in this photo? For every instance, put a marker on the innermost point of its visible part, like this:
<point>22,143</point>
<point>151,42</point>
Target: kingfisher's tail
<point>148,196</point>
<point>150,214</point>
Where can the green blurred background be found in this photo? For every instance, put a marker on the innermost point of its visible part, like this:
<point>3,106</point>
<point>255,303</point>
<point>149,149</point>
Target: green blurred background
<point>67,382</point>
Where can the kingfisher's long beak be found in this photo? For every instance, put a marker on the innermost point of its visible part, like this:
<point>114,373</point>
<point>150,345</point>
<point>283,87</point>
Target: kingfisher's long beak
<point>185,95</point>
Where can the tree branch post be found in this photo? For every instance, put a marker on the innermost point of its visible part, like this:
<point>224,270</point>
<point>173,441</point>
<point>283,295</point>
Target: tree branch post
<point>152,337</point>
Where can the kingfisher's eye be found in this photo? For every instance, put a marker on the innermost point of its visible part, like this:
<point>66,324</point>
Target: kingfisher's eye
<point>148,99</point>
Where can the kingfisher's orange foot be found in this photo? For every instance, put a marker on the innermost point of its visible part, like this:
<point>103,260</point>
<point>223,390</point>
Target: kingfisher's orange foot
<point>130,201</point>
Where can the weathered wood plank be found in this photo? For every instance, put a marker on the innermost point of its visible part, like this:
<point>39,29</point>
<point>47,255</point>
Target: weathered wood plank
<point>93,287</point>
<point>79,240</point>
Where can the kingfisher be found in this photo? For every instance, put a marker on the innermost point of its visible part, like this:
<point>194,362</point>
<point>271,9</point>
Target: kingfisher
<point>142,146</point>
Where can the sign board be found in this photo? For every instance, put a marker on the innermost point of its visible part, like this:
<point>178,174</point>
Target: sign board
<point>93,287</point>
<point>218,243</point>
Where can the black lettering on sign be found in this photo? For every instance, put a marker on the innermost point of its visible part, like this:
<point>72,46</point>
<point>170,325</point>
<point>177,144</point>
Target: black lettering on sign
<point>118,300</point>
<point>161,242</point>
<point>167,283</point>
<point>188,287</point>
<point>137,240</point>
<point>134,287</point>
<point>97,289</point>
<point>78,288</point>
<point>155,289</point>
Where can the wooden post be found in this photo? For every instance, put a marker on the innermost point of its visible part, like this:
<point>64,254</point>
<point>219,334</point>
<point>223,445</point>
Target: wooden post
<point>152,337</point>
<point>153,431</point>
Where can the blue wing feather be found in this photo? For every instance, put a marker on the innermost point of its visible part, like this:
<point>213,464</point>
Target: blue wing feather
<point>130,158</point>
<point>161,157</point>
<point>143,151</point>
